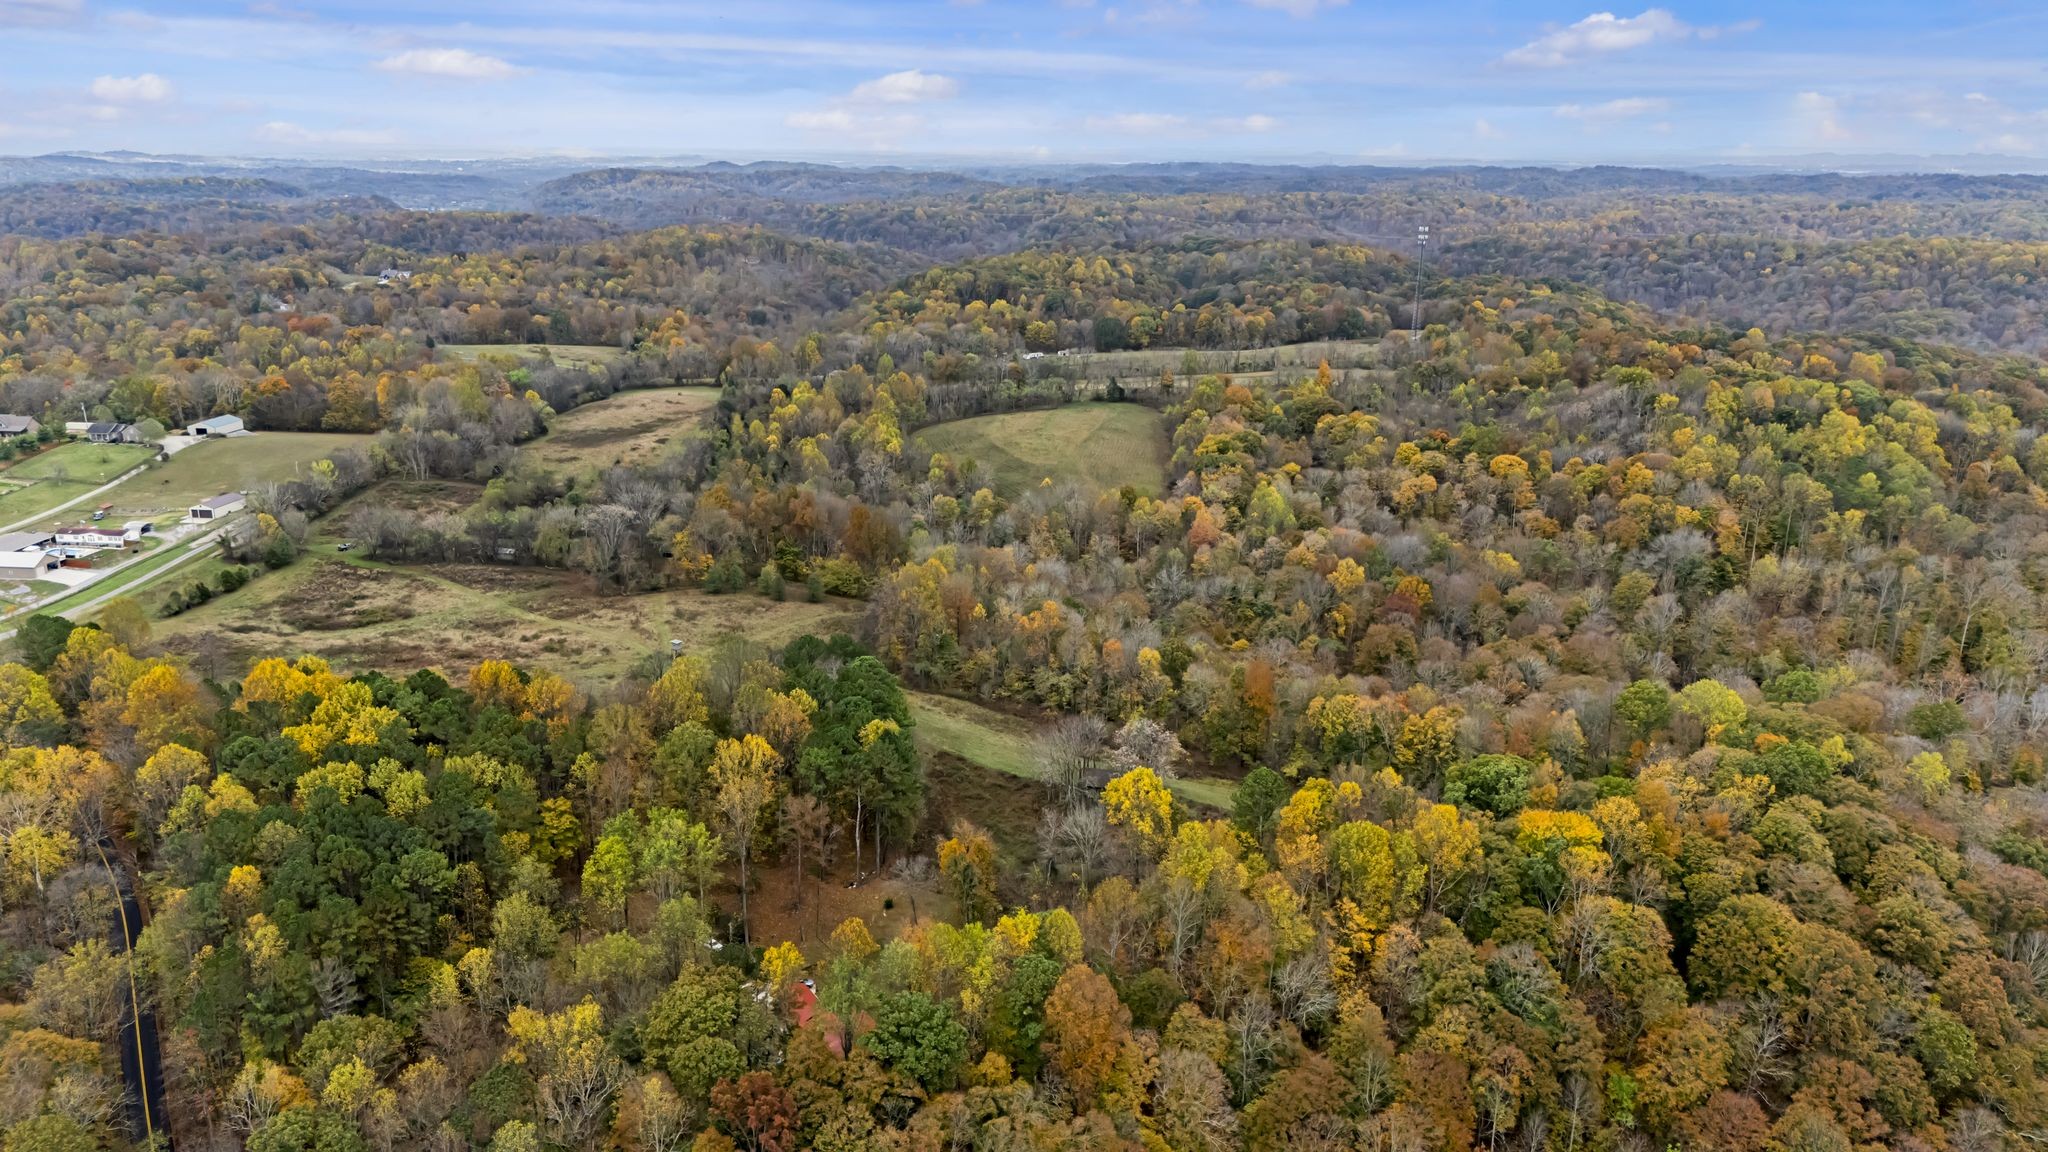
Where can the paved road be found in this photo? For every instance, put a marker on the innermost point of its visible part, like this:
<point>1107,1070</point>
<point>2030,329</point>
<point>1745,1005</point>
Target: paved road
<point>141,1061</point>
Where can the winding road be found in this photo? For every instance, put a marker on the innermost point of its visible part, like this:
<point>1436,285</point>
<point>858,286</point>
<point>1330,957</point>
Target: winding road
<point>141,1060</point>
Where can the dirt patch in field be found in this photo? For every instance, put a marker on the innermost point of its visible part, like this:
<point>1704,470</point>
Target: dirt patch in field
<point>338,597</point>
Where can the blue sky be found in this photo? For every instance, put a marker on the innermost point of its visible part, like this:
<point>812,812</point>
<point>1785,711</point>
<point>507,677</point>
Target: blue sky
<point>1024,80</point>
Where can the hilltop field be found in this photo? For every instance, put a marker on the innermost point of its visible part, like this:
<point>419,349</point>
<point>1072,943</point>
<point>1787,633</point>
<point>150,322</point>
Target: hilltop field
<point>1105,445</point>
<point>628,428</point>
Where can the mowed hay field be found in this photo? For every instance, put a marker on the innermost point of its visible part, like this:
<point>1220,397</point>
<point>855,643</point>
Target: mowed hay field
<point>626,428</point>
<point>230,464</point>
<point>562,355</point>
<point>361,615</point>
<point>1104,445</point>
<point>53,476</point>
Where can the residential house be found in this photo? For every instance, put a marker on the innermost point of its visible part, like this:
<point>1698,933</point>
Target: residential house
<point>11,426</point>
<point>112,432</point>
<point>90,536</point>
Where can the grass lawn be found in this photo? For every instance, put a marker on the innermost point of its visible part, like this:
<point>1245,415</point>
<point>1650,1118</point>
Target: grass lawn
<point>362,614</point>
<point>47,479</point>
<point>565,355</point>
<point>1105,445</point>
<point>232,464</point>
<point>626,428</point>
<point>1008,744</point>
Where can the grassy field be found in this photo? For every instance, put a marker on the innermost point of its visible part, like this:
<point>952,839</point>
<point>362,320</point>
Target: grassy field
<point>564,355</point>
<point>1136,368</point>
<point>1008,744</point>
<point>233,464</point>
<point>627,428</point>
<point>1106,445</point>
<point>361,614</point>
<point>47,479</point>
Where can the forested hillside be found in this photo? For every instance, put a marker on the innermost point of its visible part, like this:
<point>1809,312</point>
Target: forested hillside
<point>1580,723</point>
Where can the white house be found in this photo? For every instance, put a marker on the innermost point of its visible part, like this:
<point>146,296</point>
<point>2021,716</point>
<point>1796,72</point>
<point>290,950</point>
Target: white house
<point>215,507</point>
<point>91,536</point>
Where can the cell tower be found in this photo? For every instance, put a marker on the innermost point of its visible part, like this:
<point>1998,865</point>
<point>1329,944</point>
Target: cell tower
<point>1415,323</point>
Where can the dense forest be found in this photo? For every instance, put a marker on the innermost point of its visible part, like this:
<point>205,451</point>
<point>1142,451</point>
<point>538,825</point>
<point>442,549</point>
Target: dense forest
<point>1629,685</point>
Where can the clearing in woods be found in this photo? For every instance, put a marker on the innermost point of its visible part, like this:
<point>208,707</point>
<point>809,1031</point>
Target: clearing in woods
<point>1105,445</point>
<point>561,355</point>
<point>362,614</point>
<point>228,464</point>
<point>1003,743</point>
<point>627,428</point>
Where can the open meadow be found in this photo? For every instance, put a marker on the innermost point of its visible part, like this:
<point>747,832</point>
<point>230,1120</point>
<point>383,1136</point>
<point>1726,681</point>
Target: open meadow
<point>562,355</point>
<point>1104,445</point>
<point>628,428</point>
<point>1137,368</point>
<point>362,614</point>
<point>229,464</point>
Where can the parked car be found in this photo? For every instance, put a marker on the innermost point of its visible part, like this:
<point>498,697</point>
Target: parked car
<point>99,515</point>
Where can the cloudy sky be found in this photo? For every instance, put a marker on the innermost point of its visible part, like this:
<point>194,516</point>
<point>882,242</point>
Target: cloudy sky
<point>1027,79</point>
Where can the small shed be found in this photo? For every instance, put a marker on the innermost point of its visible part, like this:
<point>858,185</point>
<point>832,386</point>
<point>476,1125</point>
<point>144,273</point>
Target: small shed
<point>216,426</point>
<point>215,507</point>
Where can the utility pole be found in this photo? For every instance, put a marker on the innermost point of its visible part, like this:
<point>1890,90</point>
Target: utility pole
<point>1415,324</point>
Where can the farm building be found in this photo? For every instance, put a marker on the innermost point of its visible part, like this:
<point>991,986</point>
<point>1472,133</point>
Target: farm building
<point>214,507</point>
<point>112,432</point>
<point>18,426</point>
<point>216,426</point>
<point>18,564</point>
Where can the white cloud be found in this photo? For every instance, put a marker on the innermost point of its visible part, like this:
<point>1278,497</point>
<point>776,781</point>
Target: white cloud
<point>148,88</point>
<point>1260,81</point>
<point>1600,34</point>
<point>1626,108</point>
<point>1820,117</point>
<point>1296,8</point>
<point>450,63</point>
<point>1256,122</point>
<point>911,87</point>
<point>874,113</point>
<point>1484,129</point>
<point>298,136</point>
<point>1137,123</point>
<point>39,13</point>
